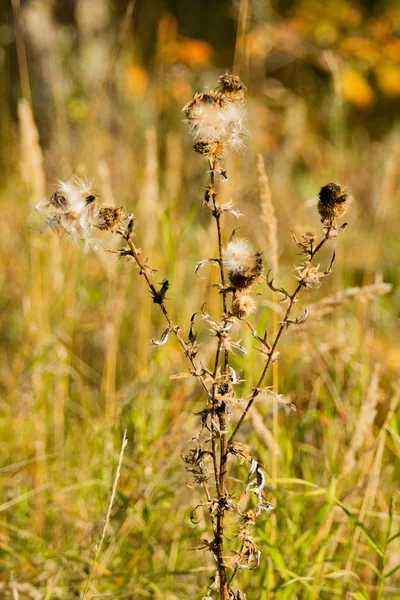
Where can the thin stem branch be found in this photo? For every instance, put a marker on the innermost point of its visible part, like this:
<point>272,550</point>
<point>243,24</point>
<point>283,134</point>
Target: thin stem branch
<point>134,252</point>
<point>283,325</point>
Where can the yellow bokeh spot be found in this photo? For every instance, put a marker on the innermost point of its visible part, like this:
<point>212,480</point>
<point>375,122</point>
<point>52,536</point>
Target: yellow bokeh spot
<point>392,49</point>
<point>361,47</point>
<point>356,88</point>
<point>136,79</point>
<point>388,78</point>
<point>193,51</point>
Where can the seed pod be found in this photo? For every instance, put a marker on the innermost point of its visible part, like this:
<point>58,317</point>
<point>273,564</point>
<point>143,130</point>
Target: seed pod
<point>213,149</point>
<point>242,306</point>
<point>231,87</point>
<point>244,265</point>
<point>109,218</point>
<point>334,200</point>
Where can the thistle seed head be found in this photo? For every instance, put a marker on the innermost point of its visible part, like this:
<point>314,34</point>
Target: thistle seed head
<point>242,306</point>
<point>243,264</point>
<point>73,212</point>
<point>231,86</point>
<point>109,218</point>
<point>217,115</point>
<point>334,200</point>
<point>212,149</point>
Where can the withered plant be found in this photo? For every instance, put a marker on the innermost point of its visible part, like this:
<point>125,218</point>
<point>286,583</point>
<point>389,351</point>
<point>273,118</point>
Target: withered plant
<point>216,119</point>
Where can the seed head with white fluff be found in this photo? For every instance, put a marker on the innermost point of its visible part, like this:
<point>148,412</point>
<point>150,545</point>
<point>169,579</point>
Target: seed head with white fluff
<point>243,263</point>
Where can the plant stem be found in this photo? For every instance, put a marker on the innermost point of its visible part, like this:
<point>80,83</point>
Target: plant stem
<point>134,252</point>
<point>220,477</point>
<point>283,325</point>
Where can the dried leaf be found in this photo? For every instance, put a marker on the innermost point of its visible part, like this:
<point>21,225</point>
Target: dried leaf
<point>163,340</point>
<point>203,262</point>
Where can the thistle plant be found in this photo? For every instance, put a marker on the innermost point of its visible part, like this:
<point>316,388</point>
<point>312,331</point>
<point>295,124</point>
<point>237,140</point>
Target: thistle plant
<point>216,120</point>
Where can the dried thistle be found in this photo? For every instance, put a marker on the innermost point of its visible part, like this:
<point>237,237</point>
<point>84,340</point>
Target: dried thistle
<point>242,306</point>
<point>109,218</point>
<point>231,87</point>
<point>211,149</point>
<point>213,116</point>
<point>73,211</point>
<point>243,264</point>
<point>334,200</point>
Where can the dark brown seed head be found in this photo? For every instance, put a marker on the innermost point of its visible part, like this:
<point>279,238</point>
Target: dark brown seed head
<point>213,149</point>
<point>210,97</point>
<point>231,86</point>
<point>334,200</point>
<point>109,218</point>
<point>243,264</point>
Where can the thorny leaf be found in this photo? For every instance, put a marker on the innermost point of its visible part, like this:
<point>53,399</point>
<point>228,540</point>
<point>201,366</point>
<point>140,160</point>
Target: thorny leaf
<point>308,275</point>
<point>198,373</point>
<point>193,512</point>
<point>240,450</point>
<point>211,546</point>
<point>192,335</point>
<point>159,295</point>
<point>210,193</point>
<point>298,320</point>
<point>204,262</point>
<point>248,557</point>
<point>329,269</point>
<point>234,378</point>
<point>208,411</point>
<point>185,375</point>
<point>146,269</point>
<point>270,283</point>
<point>164,338</point>
<point>282,400</point>
<point>267,353</point>
<point>262,340</point>
<point>258,484</point>
<point>235,594</point>
<point>221,504</point>
<point>126,232</point>
<point>306,244</point>
<point>236,346</point>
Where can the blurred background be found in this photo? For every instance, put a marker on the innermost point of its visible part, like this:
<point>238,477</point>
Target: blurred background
<point>95,89</point>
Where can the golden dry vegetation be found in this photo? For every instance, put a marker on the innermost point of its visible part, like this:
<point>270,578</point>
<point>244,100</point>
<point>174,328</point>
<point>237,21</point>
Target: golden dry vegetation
<point>77,366</point>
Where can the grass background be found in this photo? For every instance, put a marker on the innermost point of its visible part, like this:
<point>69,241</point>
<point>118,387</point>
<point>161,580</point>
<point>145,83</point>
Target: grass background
<point>106,85</point>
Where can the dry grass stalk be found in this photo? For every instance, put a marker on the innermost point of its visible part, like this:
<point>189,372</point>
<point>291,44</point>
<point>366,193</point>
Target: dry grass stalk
<point>364,422</point>
<point>31,161</point>
<point>268,215</point>
<point>107,515</point>
<point>363,293</point>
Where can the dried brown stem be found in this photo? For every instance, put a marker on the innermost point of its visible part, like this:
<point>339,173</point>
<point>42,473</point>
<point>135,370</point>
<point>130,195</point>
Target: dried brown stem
<point>283,325</point>
<point>133,251</point>
<point>220,474</point>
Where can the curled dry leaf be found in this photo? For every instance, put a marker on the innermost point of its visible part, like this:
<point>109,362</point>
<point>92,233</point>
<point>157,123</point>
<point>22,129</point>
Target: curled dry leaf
<point>163,339</point>
<point>203,262</point>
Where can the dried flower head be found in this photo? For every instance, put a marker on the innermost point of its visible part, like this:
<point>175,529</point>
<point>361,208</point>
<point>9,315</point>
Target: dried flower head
<point>242,306</point>
<point>109,218</point>
<point>213,149</point>
<point>231,86</point>
<point>73,211</point>
<point>217,115</point>
<point>244,265</point>
<point>309,275</point>
<point>334,200</point>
